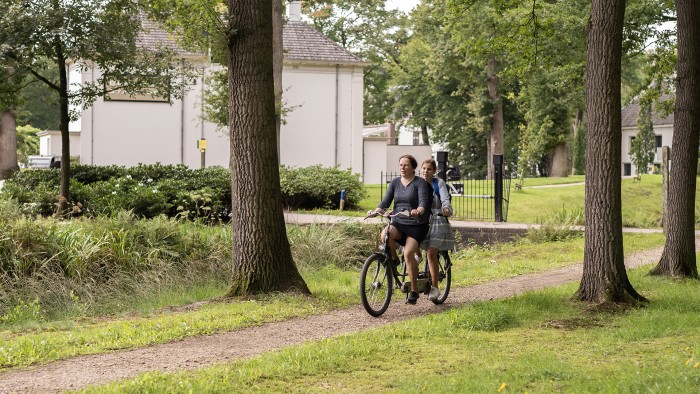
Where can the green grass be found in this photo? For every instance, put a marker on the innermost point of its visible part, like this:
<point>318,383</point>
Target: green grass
<point>641,202</point>
<point>537,342</point>
<point>332,287</point>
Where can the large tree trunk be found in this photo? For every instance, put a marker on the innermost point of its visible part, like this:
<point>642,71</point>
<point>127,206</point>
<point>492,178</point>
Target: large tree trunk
<point>678,257</point>
<point>278,61</point>
<point>604,276</point>
<point>496,137</point>
<point>559,164</point>
<point>262,259</point>
<point>8,145</point>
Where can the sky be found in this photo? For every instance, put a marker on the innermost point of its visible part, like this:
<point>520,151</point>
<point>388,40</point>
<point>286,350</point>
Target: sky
<point>403,5</point>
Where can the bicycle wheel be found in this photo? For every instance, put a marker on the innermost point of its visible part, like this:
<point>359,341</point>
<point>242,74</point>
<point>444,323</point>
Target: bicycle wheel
<point>376,285</point>
<point>444,276</point>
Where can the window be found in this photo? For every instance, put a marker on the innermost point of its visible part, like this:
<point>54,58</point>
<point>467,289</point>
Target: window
<point>631,141</point>
<point>659,142</point>
<point>627,169</point>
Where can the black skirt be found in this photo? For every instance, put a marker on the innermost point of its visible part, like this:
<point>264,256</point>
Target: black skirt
<point>417,232</point>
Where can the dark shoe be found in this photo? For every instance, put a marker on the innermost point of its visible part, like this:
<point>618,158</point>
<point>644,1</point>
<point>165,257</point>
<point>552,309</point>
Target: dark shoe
<point>412,298</point>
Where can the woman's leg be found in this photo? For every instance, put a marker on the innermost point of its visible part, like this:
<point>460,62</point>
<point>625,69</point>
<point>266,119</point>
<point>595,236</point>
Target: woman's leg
<point>393,238</point>
<point>409,253</point>
<point>433,265</point>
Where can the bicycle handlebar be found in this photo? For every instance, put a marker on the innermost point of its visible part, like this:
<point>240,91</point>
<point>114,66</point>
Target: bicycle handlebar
<point>389,215</point>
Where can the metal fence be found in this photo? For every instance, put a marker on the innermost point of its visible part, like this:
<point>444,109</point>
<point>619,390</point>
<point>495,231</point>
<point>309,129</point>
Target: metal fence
<point>472,199</point>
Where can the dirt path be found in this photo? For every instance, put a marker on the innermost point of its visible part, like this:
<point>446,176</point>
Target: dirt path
<point>203,351</point>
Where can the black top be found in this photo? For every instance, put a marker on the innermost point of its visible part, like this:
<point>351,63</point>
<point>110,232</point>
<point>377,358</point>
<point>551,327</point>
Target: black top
<point>418,193</point>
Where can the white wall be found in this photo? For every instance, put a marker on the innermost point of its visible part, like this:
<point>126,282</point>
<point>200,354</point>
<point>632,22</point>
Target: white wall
<point>666,133</point>
<point>315,95</point>
<point>50,143</point>
<point>132,132</point>
<point>374,160</point>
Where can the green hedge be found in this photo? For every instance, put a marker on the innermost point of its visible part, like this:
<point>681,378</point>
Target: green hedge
<point>172,190</point>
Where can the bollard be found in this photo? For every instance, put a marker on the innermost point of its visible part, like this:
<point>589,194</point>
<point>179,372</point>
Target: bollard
<point>342,199</point>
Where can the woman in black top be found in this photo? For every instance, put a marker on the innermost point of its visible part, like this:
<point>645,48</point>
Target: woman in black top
<point>411,193</point>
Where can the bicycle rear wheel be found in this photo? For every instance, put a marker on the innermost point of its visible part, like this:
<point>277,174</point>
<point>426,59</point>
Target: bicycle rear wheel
<point>444,276</point>
<point>376,285</point>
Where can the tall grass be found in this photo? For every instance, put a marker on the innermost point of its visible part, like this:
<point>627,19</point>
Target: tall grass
<point>53,270</point>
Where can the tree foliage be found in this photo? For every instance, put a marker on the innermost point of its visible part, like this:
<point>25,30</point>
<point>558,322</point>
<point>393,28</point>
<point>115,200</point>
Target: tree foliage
<point>40,36</point>
<point>373,33</point>
<point>643,147</point>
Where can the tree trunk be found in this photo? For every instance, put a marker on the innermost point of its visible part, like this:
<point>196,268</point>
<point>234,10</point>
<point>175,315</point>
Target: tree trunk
<point>8,144</point>
<point>678,257</point>
<point>64,120</point>
<point>424,134</point>
<point>262,259</point>
<point>559,164</point>
<point>496,137</point>
<point>604,276</point>
<point>278,61</point>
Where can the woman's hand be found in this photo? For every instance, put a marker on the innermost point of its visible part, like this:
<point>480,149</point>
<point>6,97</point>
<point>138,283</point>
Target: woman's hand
<point>446,212</point>
<point>417,212</point>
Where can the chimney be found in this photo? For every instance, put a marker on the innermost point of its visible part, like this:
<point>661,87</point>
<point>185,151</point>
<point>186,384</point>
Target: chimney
<point>294,10</point>
<point>392,134</point>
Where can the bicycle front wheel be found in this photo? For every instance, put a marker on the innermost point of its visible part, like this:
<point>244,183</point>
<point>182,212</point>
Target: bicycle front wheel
<point>376,285</point>
<point>444,276</point>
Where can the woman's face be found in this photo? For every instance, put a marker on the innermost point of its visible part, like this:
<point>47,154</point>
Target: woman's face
<point>405,167</point>
<point>427,171</point>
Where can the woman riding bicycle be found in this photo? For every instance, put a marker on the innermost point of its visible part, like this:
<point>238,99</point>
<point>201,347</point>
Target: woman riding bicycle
<point>440,236</point>
<point>411,193</point>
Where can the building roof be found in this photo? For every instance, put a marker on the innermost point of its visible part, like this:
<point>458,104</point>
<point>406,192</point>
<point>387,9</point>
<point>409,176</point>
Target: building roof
<point>630,113</point>
<point>303,43</point>
<point>152,36</point>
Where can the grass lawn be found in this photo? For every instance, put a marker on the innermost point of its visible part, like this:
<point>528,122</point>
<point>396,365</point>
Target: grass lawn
<point>332,287</point>
<point>641,202</point>
<point>537,342</point>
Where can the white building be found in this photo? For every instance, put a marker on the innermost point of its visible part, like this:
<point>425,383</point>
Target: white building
<point>663,130</point>
<point>384,145</point>
<point>323,87</point>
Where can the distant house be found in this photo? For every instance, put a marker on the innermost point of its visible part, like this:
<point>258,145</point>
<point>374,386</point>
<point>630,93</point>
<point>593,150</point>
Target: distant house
<point>323,87</point>
<point>663,130</point>
<point>382,151</point>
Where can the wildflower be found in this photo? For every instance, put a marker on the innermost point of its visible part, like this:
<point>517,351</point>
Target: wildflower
<point>140,184</point>
<point>503,386</point>
<point>149,180</point>
<point>688,362</point>
<point>128,177</point>
<point>696,365</point>
<point>154,190</point>
<point>114,192</point>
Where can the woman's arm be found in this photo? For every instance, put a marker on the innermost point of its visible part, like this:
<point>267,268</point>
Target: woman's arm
<point>445,197</point>
<point>388,196</point>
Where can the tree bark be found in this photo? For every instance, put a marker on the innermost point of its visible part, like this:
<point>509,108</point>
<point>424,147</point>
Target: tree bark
<point>262,259</point>
<point>278,61</point>
<point>604,276</point>
<point>8,144</point>
<point>496,137</point>
<point>559,165</point>
<point>678,258</point>
<point>64,120</point>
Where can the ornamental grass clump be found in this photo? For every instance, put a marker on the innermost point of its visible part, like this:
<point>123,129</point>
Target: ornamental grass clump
<point>86,266</point>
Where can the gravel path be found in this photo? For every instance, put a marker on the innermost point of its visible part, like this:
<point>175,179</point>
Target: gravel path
<point>203,351</point>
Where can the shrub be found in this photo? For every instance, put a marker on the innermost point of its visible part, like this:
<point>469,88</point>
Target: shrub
<point>319,187</point>
<point>150,190</point>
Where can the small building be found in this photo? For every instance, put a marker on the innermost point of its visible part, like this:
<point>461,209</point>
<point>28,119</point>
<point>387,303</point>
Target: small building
<point>382,151</point>
<point>663,131</point>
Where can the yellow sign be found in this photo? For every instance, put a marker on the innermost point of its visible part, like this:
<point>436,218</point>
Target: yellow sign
<point>202,144</point>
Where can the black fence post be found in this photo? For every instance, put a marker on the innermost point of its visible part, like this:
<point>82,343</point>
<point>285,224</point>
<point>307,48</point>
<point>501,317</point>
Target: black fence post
<point>498,186</point>
<point>441,157</point>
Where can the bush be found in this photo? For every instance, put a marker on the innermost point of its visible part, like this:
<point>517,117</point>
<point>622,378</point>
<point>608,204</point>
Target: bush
<point>319,187</point>
<point>150,190</point>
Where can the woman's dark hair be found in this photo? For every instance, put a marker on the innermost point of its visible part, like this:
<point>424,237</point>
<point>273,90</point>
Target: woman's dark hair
<point>410,158</point>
